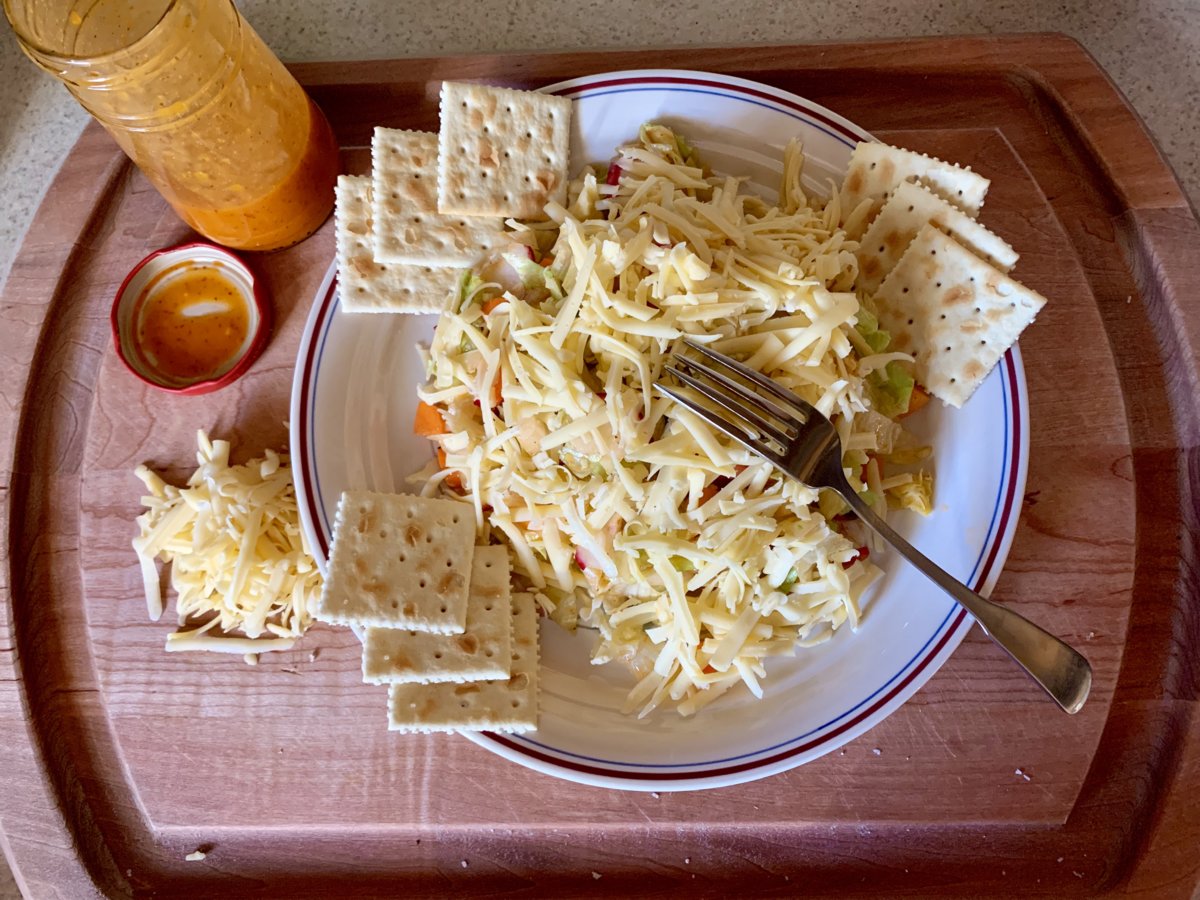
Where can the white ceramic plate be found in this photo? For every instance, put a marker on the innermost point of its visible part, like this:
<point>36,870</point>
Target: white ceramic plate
<point>351,428</point>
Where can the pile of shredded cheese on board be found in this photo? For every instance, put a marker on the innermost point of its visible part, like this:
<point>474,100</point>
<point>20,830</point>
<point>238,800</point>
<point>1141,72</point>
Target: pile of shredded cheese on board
<point>244,577</point>
<point>695,560</point>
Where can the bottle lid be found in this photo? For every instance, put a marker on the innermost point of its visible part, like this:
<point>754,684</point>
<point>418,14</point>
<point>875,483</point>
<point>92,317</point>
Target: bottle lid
<point>191,319</point>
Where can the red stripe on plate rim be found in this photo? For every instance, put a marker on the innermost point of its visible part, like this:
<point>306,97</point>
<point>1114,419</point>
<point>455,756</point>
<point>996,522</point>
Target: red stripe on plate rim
<point>307,462</point>
<point>695,774</point>
<point>797,104</point>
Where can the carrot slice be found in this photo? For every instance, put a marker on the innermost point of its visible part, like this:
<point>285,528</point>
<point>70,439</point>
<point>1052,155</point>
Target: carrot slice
<point>496,397</point>
<point>428,421</point>
<point>493,303</point>
<point>918,400</point>
<point>454,479</point>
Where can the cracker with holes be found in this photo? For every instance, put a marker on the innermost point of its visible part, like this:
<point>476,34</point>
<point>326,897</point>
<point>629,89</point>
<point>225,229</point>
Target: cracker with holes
<point>368,286</point>
<point>509,704</point>
<point>484,650</point>
<point>876,170</point>
<point>911,207</point>
<point>399,561</point>
<point>501,152</point>
<point>955,313</point>
<point>407,226</point>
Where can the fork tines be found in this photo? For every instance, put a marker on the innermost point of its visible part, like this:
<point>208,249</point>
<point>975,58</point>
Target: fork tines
<point>803,407</point>
<point>763,425</point>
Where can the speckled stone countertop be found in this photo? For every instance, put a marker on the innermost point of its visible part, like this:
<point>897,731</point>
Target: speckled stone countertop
<point>1151,49</point>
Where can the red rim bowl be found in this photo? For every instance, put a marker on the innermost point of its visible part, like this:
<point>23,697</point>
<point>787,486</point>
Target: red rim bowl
<point>125,308</point>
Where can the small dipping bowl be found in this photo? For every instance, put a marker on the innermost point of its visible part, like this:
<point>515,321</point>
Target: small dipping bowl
<point>149,302</point>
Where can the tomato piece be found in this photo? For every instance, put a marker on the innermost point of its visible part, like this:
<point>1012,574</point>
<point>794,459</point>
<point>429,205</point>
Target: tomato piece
<point>860,554</point>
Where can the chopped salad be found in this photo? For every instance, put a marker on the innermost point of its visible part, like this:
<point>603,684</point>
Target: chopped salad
<point>695,560</point>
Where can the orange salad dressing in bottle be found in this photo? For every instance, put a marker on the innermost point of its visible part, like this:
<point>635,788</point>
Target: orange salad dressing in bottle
<point>200,104</point>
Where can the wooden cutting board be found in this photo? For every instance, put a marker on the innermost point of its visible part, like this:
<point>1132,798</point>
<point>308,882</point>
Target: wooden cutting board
<point>119,759</point>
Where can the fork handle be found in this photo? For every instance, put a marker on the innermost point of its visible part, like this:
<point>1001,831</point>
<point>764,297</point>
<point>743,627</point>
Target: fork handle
<point>1058,668</point>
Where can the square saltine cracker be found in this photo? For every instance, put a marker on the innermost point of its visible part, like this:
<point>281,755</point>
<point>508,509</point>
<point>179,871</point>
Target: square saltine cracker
<point>483,651</point>
<point>366,285</point>
<point>407,227</point>
<point>956,314</point>
<point>908,209</point>
<point>509,704</point>
<point>399,561</point>
<point>877,169</point>
<point>501,152</point>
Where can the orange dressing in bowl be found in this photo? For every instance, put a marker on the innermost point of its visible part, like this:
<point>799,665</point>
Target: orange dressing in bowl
<point>192,322</point>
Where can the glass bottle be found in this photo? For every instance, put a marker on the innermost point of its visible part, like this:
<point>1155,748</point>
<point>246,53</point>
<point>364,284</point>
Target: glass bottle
<point>200,104</point>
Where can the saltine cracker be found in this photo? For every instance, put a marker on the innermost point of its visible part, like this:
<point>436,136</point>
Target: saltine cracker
<point>509,705</point>
<point>877,169</point>
<point>956,314</point>
<point>399,561</point>
<point>367,286</point>
<point>910,207</point>
<point>407,227</point>
<point>483,651</point>
<point>501,152</point>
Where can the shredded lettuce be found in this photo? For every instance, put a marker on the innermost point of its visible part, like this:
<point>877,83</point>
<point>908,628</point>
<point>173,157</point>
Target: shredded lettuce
<point>854,459</point>
<point>891,389</point>
<point>868,326</point>
<point>566,612</point>
<point>687,152</point>
<point>790,581</point>
<point>869,497</point>
<point>552,284</point>
<point>527,270</point>
<point>539,281</point>
<point>908,456</point>
<point>888,432</point>
<point>469,289</point>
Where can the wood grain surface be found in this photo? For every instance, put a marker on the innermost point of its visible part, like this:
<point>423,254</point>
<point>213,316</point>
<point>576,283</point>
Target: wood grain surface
<point>124,758</point>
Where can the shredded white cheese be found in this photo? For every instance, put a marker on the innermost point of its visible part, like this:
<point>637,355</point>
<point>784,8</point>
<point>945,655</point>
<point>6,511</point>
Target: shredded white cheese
<point>244,578</point>
<point>693,558</point>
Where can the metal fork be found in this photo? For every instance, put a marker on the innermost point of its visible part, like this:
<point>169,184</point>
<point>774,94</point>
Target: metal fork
<point>797,438</point>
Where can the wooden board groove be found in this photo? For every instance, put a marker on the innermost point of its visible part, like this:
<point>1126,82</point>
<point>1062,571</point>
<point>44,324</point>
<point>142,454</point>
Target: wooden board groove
<point>90,802</point>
